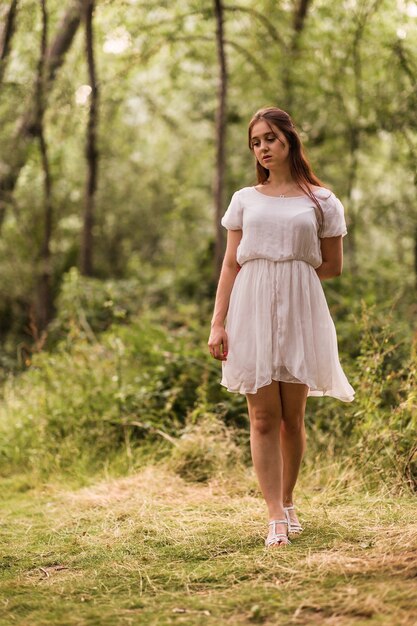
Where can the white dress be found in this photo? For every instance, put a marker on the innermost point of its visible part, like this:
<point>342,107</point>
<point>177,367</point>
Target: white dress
<point>278,322</point>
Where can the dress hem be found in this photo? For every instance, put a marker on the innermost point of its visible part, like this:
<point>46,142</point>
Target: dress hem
<point>311,391</point>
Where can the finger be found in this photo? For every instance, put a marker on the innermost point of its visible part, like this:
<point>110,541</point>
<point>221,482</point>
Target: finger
<point>223,354</point>
<point>226,345</point>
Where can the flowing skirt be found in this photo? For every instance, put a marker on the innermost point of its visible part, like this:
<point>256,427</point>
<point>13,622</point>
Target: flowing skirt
<point>279,327</point>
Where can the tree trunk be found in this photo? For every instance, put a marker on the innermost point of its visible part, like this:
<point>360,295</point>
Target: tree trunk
<point>91,150</point>
<point>409,71</point>
<point>355,139</point>
<point>6,37</point>
<point>299,21</point>
<point>44,305</point>
<point>415,255</point>
<point>354,146</point>
<point>218,186</point>
<point>300,15</point>
<point>26,127</point>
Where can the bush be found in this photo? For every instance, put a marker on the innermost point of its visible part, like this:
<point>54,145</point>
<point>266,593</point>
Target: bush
<point>385,426</point>
<point>102,394</point>
<point>206,449</point>
<point>91,305</point>
<point>378,429</point>
<point>93,399</point>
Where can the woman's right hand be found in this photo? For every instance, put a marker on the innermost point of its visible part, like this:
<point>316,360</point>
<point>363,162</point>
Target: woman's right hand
<point>218,343</point>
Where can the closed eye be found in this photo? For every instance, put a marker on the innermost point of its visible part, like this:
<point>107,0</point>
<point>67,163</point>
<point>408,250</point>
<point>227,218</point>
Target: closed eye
<point>269,139</point>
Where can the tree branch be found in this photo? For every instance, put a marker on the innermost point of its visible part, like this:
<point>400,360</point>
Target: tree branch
<point>6,37</point>
<point>26,128</point>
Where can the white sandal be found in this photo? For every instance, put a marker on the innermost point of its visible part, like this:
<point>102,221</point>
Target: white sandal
<point>277,538</point>
<point>293,527</point>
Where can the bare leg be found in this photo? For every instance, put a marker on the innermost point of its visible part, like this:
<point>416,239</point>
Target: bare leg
<point>265,420</point>
<point>293,437</point>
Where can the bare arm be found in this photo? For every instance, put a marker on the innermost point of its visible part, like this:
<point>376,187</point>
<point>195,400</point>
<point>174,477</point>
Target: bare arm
<point>332,255</point>
<point>218,338</point>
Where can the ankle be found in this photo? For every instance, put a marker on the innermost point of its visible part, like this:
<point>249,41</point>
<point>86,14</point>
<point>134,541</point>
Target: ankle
<point>287,502</point>
<point>276,513</point>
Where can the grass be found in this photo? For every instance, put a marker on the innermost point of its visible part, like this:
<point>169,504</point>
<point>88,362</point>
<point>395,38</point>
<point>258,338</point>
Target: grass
<point>151,548</point>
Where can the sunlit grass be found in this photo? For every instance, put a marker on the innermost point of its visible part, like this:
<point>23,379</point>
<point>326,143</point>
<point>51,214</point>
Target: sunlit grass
<point>153,548</point>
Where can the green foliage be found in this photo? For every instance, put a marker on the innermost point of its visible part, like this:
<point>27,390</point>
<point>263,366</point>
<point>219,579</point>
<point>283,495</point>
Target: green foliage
<point>385,426</point>
<point>378,429</point>
<point>347,81</point>
<point>152,380</point>
<point>92,305</point>
<point>92,398</point>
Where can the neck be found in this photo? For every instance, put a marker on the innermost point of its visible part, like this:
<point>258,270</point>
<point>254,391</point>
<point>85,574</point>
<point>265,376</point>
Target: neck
<point>280,178</point>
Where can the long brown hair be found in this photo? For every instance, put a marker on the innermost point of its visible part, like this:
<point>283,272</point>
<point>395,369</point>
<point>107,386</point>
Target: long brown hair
<point>300,167</point>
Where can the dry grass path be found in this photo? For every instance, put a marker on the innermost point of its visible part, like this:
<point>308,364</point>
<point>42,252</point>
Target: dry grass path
<point>153,549</point>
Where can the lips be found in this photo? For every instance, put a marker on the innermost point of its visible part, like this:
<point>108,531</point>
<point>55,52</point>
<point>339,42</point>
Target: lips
<point>266,158</point>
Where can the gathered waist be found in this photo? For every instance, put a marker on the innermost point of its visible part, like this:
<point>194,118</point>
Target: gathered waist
<point>281,260</point>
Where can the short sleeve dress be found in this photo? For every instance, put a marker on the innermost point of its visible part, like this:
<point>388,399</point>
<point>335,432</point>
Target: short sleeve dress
<point>278,322</point>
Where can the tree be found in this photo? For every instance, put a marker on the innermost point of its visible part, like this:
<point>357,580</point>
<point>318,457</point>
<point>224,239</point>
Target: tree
<point>44,304</point>
<point>299,21</point>
<point>218,188</point>
<point>26,128</point>
<point>6,37</point>
<point>91,148</point>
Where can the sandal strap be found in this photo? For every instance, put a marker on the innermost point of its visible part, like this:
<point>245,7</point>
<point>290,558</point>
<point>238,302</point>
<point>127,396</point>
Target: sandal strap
<point>293,526</point>
<point>277,538</point>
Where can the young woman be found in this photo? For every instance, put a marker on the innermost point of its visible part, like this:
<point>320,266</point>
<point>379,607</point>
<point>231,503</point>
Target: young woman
<point>279,343</point>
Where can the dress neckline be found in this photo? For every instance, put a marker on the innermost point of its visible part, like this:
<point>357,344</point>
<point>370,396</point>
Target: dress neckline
<point>278,197</point>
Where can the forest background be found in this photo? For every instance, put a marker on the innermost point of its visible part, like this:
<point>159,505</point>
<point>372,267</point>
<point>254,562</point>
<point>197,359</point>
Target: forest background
<point>123,137</point>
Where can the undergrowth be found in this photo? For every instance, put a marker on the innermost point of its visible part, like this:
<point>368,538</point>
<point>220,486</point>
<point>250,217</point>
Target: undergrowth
<point>101,397</point>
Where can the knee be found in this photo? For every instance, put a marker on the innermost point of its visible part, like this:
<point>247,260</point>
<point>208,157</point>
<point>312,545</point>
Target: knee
<point>293,424</point>
<point>262,421</point>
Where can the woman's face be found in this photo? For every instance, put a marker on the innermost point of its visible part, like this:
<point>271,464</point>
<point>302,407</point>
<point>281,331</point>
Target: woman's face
<point>269,146</point>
